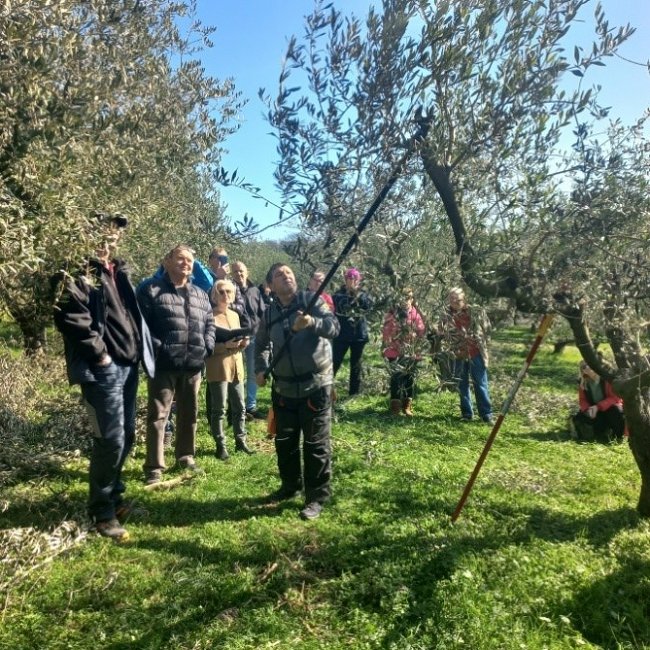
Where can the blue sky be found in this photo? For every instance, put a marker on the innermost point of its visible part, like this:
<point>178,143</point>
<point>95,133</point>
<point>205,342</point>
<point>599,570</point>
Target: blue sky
<point>249,45</point>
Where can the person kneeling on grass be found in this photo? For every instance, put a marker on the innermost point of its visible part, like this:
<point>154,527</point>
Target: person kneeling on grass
<point>225,374</point>
<point>601,409</point>
<point>302,387</point>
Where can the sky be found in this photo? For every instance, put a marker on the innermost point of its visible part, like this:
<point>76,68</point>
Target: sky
<point>249,46</point>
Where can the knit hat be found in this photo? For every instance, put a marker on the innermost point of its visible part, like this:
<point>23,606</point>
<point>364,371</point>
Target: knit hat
<point>352,274</point>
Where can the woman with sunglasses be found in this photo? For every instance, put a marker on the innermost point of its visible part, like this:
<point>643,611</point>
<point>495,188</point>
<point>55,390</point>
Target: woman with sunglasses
<point>225,373</point>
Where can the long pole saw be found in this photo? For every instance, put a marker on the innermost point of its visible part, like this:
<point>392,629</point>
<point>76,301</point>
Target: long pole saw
<point>417,139</point>
<point>541,333</point>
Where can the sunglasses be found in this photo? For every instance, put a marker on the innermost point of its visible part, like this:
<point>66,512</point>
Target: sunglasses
<point>223,259</point>
<point>223,292</point>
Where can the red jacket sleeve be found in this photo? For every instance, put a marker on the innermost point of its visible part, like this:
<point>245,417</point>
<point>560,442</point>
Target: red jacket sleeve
<point>610,399</point>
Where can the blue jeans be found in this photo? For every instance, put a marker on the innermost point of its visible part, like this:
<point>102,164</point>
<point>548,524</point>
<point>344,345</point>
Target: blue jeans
<point>251,384</point>
<point>475,367</point>
<point>110,402</point>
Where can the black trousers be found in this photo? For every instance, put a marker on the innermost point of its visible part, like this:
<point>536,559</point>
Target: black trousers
<point>311,416</point>
<point>402,380</point>
<point>339,350</point>
<point>604,422</point>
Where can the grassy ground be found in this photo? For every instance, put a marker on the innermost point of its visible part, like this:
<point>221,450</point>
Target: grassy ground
<point>548,553</point>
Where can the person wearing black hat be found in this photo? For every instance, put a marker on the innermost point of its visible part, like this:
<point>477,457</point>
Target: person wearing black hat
<point>105,337</point>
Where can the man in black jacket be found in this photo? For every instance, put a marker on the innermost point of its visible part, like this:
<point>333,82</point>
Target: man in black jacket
<point>182,327</point>
<point>255,308</point>
<point>105,336</point>
<point>302,387</point>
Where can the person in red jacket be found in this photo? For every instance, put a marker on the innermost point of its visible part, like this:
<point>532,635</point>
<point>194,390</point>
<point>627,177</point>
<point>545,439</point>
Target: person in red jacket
<point>600,407</point>
<point>403,326</point>
<point>315,281</point>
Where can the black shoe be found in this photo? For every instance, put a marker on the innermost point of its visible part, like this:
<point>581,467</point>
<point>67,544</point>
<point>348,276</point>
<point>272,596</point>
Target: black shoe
<point>488,419</point>
<point>311,511</point>
<point>466,418</point>
<point>283,494</point>
<point>222,453</point>
<point>254,414</point>
<point>242,446</point>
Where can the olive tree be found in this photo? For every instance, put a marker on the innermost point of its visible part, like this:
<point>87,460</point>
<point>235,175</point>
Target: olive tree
<point>496,85</point>
<point>103,106</point>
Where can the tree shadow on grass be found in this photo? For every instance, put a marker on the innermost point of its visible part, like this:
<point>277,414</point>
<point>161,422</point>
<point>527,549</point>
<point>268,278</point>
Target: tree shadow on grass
<point>602,610</point>
<point>345,549</point>
<point>185,511</point>
<point>421,560</point>
<point>28,507</point>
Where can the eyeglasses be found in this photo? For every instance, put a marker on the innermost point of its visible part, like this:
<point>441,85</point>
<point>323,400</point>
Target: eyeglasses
<point>223,292</point>
<point>223,259</point>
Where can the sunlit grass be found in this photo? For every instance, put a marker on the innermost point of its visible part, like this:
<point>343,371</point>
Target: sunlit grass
<point>548,553</point>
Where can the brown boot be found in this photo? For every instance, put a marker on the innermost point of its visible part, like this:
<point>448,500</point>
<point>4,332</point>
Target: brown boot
<point>395,407</point>
<point>407,403</point>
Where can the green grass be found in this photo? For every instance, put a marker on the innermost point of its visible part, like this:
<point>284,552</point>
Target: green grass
<point>548,552</point>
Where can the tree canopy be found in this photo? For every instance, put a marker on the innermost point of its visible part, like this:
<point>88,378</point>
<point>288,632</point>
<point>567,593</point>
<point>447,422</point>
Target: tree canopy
<point>103,107</point>
<point>503,92</point>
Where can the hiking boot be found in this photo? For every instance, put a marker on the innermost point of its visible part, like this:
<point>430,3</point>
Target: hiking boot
<point>152,477</point>
<point>283,494</point>
<point>488,419</point>
<point>407,405</point>
<point>242,446</point>
<point>124,511</point>
<point>221,452</point>
<point>311,511</point>
<point>113,529</point>
<point>188,464</point>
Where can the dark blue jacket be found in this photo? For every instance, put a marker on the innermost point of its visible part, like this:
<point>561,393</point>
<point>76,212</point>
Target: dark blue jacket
<point>254,303</point>
<point>183,331</point>
<point>350,311</point>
